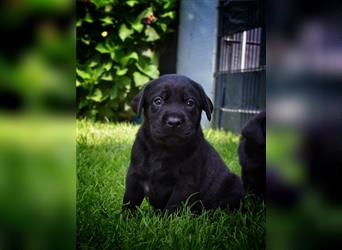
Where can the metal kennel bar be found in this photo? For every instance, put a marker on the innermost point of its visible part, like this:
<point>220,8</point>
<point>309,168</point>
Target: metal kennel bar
<point>240,67</point>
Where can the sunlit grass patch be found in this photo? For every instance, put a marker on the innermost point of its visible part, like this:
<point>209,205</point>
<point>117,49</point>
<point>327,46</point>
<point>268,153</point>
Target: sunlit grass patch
<point>103,153</point>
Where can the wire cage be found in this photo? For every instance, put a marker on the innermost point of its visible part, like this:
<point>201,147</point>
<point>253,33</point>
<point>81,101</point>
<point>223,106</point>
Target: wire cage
<point>240,76</point>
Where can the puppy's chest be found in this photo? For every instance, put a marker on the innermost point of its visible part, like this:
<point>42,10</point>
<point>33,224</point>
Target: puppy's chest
<point>159,177</point>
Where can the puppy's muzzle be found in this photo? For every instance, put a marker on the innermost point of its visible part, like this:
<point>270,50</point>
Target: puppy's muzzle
<point>173,121</point>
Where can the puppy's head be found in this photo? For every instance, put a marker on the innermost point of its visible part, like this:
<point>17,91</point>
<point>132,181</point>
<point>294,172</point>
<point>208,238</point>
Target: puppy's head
<point>255,129</point>
<point>172,107</point>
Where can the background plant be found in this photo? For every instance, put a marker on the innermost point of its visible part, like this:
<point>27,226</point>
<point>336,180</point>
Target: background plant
<point>118,48</point>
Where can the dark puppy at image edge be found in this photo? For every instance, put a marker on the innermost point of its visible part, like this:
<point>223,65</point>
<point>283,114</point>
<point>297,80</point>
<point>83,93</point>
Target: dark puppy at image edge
<point>171,162</point>
<point>252,155</point>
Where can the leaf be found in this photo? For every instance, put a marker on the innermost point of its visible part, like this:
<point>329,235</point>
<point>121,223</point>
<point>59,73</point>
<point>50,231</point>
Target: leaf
<point>83,103</point>
<point>169,4</point>
<point>163,26</point>
<point>88,18</point>
<point>131,3</point>
<point>147,52</point>
<point>137,25</point>
<point>140,79</point>
<point>85,41</point>
<point>152,55</point>
<point>106,21</point>
<point>145,13</point>
<point>114,93</point>
<point>170,14</point>
<point>125,59</point>
<point>120,71</point>
<point>107,76</point>
<point>127,107</point>
<point>102,48</point>
<point>108,8</point>
<point>122,84</point>
<point>96,96</point>
<point>151,34</point>
<point>109,47</point>
<point>108,65</point>
<point>150,70</point>
<point>125,32</point>
<point>100,3</point>
<point>96,73</point>
<point>94,61</point>
<point>79,23</point>
<point>93,64</point>
<point>123,81</point>
<point>83,74</point>
<point>146,67</point>
<point>116,55</point>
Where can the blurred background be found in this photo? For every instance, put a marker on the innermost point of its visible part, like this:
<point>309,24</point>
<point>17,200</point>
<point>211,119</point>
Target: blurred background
<point>37,124</point>
<point>304,126</point>
<point>219,44</point>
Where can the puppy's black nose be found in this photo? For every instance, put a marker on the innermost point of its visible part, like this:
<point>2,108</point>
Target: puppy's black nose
<point>173,121</point>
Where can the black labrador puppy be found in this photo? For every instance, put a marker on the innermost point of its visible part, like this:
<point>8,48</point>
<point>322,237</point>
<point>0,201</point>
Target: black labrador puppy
<point>171,162</point>
<point>252,155</point>
<point>255,174</point>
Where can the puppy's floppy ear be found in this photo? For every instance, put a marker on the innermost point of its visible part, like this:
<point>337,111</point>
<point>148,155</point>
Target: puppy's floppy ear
<point>138,102</point>
<point>206,103</point>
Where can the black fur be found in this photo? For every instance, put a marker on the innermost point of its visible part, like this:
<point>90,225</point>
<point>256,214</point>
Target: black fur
<point>171,162</point>
<point>252,154</point>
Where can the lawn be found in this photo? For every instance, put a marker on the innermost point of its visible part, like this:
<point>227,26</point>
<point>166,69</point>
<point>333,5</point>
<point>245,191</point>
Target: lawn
<point>103,152</point>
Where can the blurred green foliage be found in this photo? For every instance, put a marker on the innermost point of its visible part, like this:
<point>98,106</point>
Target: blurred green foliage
<point>37,128</point>
<point>118,45</point>
<point>37,56</point>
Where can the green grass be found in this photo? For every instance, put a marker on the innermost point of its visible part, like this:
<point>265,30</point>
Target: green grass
<point>103,152</point>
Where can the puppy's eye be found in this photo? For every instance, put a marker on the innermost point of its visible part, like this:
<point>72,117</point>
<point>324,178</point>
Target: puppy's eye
<point>190,102</point>
<point>158,101</point>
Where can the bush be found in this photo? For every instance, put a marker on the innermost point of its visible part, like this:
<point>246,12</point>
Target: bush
<point>118,46</point>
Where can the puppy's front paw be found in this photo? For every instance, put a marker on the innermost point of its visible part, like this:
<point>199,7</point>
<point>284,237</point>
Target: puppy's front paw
<point>127,208</point>
<point>169,210</point>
